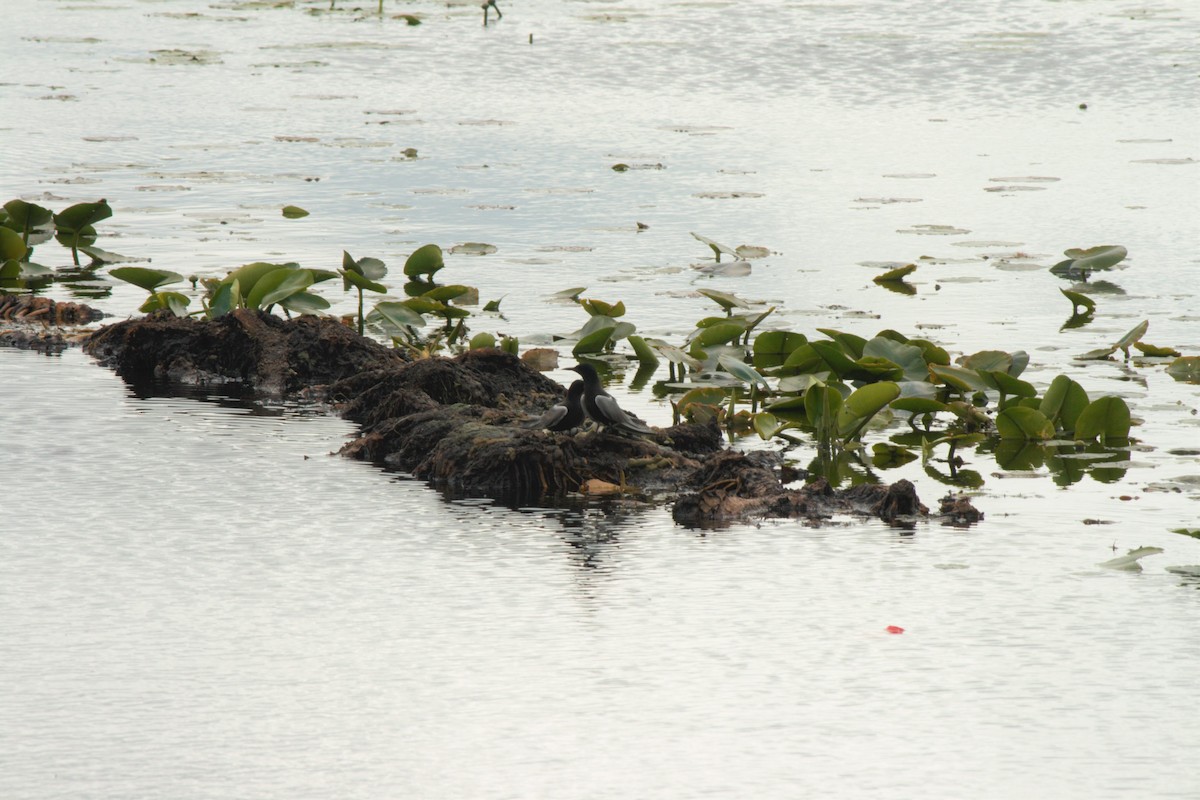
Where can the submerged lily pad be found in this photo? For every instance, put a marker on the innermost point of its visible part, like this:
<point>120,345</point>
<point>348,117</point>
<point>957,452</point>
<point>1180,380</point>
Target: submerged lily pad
<point>473,249</point>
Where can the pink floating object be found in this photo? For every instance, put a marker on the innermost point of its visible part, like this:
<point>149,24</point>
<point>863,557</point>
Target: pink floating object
<point>894,629</point>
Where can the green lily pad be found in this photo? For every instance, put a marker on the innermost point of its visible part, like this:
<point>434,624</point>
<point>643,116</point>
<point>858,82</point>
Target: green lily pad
<point>1104,418</point>
<point>1018,422</point>
<point>863,404</point>
<point>425,260</point>
<point>395,316</point>
<point>294,212</point>
<point>1063,402</point>
<point>148,279</point>
<point>725,300</point>
<point>898,274</point>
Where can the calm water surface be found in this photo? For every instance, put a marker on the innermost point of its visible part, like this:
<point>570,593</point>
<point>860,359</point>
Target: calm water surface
<point>198,601</point>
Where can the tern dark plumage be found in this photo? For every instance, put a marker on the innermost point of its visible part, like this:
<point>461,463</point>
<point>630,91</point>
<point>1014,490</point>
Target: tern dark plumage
<point>602,407</point>
<point>566,415</point>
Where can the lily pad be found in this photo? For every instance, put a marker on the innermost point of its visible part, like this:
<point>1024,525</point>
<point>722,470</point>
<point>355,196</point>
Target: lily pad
<point>473,249</point>
<point>1185,369</point>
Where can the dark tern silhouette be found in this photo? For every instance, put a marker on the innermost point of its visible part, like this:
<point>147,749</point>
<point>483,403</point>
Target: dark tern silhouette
<point>602,407</point>
<point>564,416</point>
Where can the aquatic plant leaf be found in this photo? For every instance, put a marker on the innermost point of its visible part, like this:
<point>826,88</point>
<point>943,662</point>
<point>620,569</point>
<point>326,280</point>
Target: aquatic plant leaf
<point>910,358</point>
<point>569,294</point>
<point>804,359</point>
<point>23,270</point>
<point>780,343</point>
<point>1063,401</point>
<point>863,404</point>
<point>1097,355</point>
<point>821,405</point>
<point>248,275</point>
<point>492,305</point>
<point>674,354</point>
<point>732,269</point>
<point>294,212</point>
<point>644,352</point>
<point>963,380</point>
<point>933,353</point>
<point>1129,339</point>
<point>1078,299</point>
<point>443,294</point>
<point>425,260</point>
<point>1014,387</point>
<point>148,279</point>
<point>1019,422</point>
<point>360,281</point>
<point>394,316</point>
<point>794,403</point>
<point>766,424</point>
<point>175,302</point>
<point>473,249</point>
<point>708,322</point>
<point>898,274</point>
<point>12,246</point>
<point>987,361</point>
<point>720,334</point>
<point>701,404</point>
<point>800,383</point>
<point>594,342</point>
<point>1154,351</point>
<point>875,368</point>
<point>1129,561</point>
<point>226,298</point>
<point>25,218</point>
<point>852,344</point>
<point>1185,369</point>
<point>481,341</point>
<point>622,330</point>
<point>1193,532</point>
<point>79,216</point>
<point>742,371</point>
<point>1104,418</point>
<point>725,300</point>
<point>368,267</point>
<point>717,247</point>
<point>603,309</point>
<point>750,251</point>
<point>832,357</point>
<point>1096,258</point>
<point>277,285</point>
<point>304,303</point>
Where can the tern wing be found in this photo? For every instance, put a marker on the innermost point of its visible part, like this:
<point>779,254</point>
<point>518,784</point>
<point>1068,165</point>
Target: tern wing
<point>615,415</point>
<point>553,416</point>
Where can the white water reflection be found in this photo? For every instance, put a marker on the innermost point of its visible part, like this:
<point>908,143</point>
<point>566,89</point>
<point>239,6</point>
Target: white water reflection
<point>193,608</point>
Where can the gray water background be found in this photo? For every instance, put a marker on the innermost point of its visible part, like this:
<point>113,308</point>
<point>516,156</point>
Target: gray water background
<point>196,600</point>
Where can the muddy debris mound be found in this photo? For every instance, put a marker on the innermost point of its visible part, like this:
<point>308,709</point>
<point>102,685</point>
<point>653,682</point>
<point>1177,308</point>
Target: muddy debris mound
<point>271,355</point>
<point>32,322</point>
<point>735,486</point>
<point>461,422</point>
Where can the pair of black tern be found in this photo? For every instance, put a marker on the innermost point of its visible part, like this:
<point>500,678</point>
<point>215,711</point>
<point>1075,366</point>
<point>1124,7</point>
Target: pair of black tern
<point>587,399</point>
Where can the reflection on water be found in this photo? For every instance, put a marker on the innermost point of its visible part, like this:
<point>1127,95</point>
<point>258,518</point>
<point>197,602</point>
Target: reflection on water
<point>200,602</point>
<point>197,601</point>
